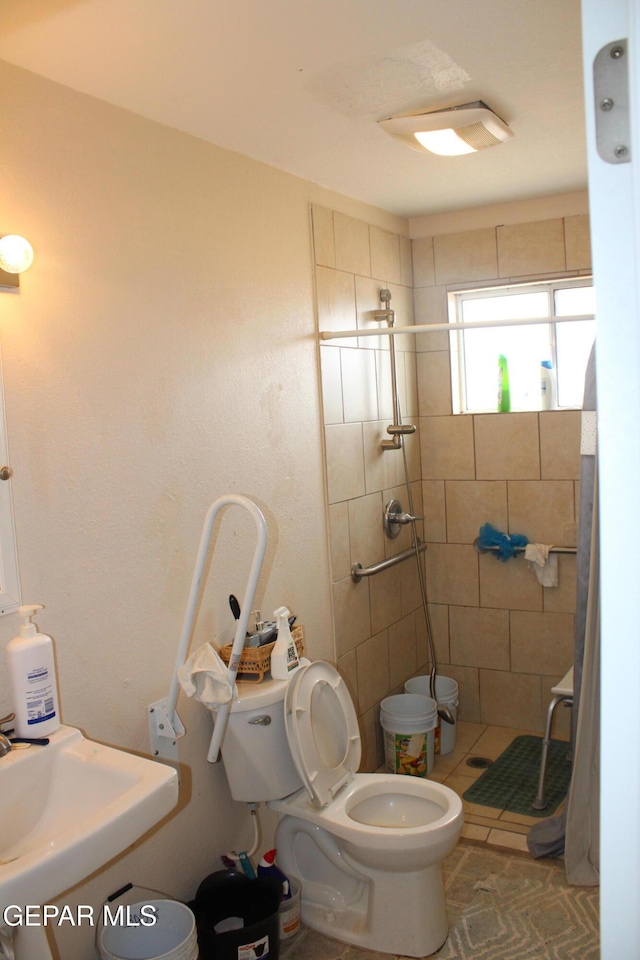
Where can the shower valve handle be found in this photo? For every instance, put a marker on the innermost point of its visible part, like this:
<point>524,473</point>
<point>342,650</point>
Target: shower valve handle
<point>402,518</point>
<point>394,516</point>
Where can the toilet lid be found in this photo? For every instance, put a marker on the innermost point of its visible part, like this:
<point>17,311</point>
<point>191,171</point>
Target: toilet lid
<point>322,730</point>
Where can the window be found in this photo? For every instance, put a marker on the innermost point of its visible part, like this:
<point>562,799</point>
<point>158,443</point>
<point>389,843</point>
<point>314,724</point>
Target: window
<point>475,353</point>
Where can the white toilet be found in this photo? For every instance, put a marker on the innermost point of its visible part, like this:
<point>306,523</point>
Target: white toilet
<point>367,847</point>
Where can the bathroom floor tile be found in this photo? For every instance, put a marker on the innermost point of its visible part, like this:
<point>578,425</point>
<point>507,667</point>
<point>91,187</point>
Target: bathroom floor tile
<point>464,770</point>
<point>447,764</point>
<point>459,785</point>
<point>472,831</point>
<point>467,734</point>
<point>495,741</point>
<point>492,822</point>
<point>508,818</point>
<point>508,840</point>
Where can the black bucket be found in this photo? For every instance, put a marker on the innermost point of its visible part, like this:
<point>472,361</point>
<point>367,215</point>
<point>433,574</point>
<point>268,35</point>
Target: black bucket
<point>230,899</point>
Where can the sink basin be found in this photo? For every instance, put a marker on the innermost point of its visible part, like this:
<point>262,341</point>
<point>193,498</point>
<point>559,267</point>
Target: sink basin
<point>68,808</point>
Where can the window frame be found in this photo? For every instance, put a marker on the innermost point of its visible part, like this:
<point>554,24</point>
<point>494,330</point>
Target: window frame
<point>455,299</point>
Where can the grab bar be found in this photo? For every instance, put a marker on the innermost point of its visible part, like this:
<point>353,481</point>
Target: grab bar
<point>479,549</point>
<point>165,725</point>
<point>358,571</point>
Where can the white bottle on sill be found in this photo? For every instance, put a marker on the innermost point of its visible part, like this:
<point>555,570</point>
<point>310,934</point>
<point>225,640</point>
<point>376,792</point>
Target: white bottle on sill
<point>547,386</point>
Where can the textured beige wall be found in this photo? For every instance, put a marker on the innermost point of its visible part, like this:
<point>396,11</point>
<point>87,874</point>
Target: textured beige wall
<point>160,353</point>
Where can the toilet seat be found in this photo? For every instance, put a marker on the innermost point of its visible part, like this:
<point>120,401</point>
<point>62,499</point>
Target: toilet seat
<point>322,730</point>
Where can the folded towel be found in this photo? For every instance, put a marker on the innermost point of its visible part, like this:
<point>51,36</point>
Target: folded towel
<point>543,563</point>
<point>205,676</point>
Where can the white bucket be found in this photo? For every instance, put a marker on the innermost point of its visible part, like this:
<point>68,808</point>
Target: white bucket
<point>446,691</point>
<point>409,722</point>
<point>289,911</point>
<point>173,936</point>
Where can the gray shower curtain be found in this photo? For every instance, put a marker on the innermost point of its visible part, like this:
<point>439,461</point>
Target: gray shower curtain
<point>576,831</point>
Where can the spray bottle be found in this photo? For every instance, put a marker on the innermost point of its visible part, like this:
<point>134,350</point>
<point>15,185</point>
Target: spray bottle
<point>267,868</point>
<point>284,656</point>
<point>32,676</point>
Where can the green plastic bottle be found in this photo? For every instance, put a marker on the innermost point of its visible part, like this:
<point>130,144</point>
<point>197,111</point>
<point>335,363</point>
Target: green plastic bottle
<point>504,395</point>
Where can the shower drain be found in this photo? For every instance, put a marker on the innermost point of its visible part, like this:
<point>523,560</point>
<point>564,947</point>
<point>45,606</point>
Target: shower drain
<point>479,762</point>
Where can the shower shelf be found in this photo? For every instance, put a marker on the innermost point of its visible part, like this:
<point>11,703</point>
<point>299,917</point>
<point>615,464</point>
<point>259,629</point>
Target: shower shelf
<point>358,571</point>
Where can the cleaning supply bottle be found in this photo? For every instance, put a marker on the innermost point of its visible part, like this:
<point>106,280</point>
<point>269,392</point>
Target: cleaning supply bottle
<point>32,677</point>
<point>504,394</point>
<point>267,868</point>
<point>547,385</point>
<point>284,656</point>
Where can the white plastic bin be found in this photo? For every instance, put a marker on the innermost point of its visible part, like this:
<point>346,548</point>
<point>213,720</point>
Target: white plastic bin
<point>446,691</point>
<point>173,935</point>
<point>409,722</point>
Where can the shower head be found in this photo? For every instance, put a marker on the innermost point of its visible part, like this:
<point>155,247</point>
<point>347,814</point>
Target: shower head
<point>385,296</point>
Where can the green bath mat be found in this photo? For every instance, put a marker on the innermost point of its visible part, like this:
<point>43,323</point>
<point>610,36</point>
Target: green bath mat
<point>511,782</point>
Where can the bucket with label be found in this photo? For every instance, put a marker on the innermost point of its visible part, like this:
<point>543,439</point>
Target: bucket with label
<point>148,930</point>
<point>409,721</point>
<point>238,918</point>
<point>289,911</point>
<point>446,691</point>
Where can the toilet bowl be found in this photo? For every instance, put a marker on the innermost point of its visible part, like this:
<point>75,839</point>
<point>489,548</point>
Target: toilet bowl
<point>367,847</point>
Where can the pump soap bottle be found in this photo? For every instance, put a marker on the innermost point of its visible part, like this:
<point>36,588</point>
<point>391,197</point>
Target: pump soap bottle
<point>284,656</point>
<point>32,677</point>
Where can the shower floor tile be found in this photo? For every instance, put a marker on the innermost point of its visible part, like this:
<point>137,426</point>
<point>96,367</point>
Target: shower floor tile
<point>492,827</point>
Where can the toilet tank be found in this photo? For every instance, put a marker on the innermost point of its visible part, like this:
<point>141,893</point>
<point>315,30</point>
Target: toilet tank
<point>255,751</point>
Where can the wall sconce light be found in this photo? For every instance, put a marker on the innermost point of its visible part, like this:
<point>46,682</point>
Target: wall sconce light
<point>16,256</point>
<point>451,132</point>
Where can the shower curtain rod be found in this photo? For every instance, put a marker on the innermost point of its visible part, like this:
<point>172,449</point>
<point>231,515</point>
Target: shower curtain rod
<point>437,327</point>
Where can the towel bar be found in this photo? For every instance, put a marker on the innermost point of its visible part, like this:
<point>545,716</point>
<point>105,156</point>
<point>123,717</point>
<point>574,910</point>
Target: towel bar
<point>479,549</point>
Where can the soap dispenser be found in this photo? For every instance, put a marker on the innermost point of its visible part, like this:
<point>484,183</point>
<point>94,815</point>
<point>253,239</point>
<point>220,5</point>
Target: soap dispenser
<point>284,656</point>
<point>32,677</point>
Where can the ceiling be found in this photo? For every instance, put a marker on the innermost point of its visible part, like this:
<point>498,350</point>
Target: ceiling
<point>301,84</point>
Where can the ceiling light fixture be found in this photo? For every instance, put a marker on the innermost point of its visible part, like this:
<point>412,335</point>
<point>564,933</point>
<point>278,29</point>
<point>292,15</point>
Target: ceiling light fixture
<point>456,130</point>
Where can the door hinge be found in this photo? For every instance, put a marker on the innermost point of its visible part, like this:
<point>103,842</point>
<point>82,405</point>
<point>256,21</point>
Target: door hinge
<point>611,91</point>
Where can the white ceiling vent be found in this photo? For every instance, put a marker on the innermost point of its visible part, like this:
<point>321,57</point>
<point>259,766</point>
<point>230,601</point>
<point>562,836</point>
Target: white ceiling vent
<point>456,130</point>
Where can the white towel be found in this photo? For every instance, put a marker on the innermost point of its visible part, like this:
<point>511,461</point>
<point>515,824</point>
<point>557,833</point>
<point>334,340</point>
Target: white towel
<point>543,563</point>
<point>205,676</point>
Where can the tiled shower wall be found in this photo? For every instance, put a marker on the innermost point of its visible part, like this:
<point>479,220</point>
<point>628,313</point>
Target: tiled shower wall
<point>379,631</point>
<point>502,636</point>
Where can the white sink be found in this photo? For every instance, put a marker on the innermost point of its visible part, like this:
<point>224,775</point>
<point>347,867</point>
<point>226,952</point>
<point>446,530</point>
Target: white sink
<point>67,808</point>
